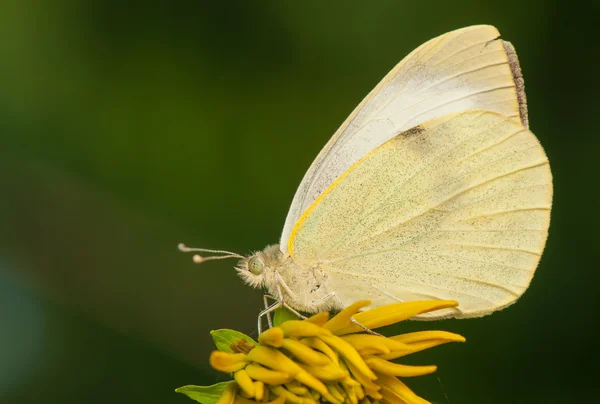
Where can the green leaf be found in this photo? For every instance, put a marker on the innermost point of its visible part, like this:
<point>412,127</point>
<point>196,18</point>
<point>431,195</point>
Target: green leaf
<point>232,341</point>
<point>204,394</point>
<point>282,314</point>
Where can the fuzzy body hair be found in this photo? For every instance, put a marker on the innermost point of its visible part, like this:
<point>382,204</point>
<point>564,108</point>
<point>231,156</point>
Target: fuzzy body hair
<point>309,286</point>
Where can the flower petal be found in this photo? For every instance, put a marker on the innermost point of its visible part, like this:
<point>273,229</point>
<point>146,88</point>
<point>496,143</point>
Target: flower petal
<point>342,319</point>
<point>296,388</point>
<point>396,369</point>
<point>259,390</point>
<point>418,341</point>
<point>229,394</point>
<point>285,393</point>
<point>319,319</point>
<point>245,382</point>
<point>273,359</point>
<point>277,400</point>
<point>393,313</point>
<point>374,343</point>
<point>350,393</point>
<point>302,328</point>
<point>226,362</point>
<point>312,382</point>
<point>328,373</point>
<point>304,353</point>
<point>360,393</point>
<point>243,400</point>
<point>268,376</point>
<point>321,346</point>
<point>361,378</point>
<point>273,337</point>
<point>336,392</point>
<point>394,386</point>
<point>348,352</point>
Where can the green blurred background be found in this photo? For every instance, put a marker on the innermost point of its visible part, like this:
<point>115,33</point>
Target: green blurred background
<point>127,127</point>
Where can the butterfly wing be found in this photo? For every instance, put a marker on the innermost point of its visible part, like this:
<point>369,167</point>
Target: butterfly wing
<point>467,69</point>
<point>457,208</point>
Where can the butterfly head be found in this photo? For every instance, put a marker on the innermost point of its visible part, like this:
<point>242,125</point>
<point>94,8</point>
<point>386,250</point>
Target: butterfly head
<point>258,270</point>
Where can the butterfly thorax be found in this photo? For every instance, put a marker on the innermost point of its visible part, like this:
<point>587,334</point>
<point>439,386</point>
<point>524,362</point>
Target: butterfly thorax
<point>304,289</point>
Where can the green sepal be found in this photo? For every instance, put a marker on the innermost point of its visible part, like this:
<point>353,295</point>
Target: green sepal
<point>282,314</point>
<point>204,394</point>
<point>232,341</point>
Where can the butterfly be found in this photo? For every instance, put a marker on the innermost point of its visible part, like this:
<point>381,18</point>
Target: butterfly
<point>433,188</point>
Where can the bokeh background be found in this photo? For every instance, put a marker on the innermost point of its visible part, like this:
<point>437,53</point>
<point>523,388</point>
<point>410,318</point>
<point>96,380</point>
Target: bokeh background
<point>127,127</point>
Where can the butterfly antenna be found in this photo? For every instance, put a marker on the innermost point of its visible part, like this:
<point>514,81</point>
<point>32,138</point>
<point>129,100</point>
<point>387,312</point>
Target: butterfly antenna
<point>198,259</point>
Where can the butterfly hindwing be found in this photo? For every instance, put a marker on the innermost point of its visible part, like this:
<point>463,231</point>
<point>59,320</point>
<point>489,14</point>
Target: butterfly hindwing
<point>456,208</point>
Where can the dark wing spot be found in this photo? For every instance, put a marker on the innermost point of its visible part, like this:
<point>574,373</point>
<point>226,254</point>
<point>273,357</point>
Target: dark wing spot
<point>417,130</point>
<point>515,68</point>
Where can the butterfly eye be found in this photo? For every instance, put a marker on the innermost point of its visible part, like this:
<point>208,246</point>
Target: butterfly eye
<point>255,266</point>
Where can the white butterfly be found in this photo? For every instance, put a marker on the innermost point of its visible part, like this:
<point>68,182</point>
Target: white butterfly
<point>433,188</point>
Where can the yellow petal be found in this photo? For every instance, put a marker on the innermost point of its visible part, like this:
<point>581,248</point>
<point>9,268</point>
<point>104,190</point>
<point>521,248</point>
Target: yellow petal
<point>363,342</point>
<point>267,393</point>
<point>228,395</point>
<point>370,345</point>
<point>308,400</point>
<point>319,319</point>
<point>342,319</point>
<point>392,385</point>
<point>259,390</point>
<point>243,400</point>
<point>350,393</point>
<point>361,378</point>
<point>277,400</point>
<point>374,394</point>
<point>360,393</point>
<point>273,359</point>
<point>309,380</point>
<point>304,353</point>
<point>315,394</point>
<point>296,388</point>
<point>390,397</point>
<point>286,394</point>
<point>328,372</point>
<point>396,369</point>
<point>301,329</point>
<point>245,382</point>
<point>348,352</point>
<point>348,380</point>
<point>418,341</point>
<point>336,392</point>
<point>273,337</point>
<point>321,346</point>
<point>226,362</point>
<point>421,336</point>
<point>393,313</point>
<point>267,376</point>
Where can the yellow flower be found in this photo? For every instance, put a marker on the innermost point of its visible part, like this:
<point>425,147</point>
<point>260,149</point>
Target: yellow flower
<point>333,360</point>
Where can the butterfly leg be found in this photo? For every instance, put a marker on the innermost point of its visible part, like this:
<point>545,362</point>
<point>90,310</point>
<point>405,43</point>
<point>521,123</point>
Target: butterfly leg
<point>333,296</point>
<point>266,298</point>
<point>266,312</point>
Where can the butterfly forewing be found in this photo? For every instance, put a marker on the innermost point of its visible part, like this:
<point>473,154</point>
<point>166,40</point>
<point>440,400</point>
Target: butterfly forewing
<point>467,69</point>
